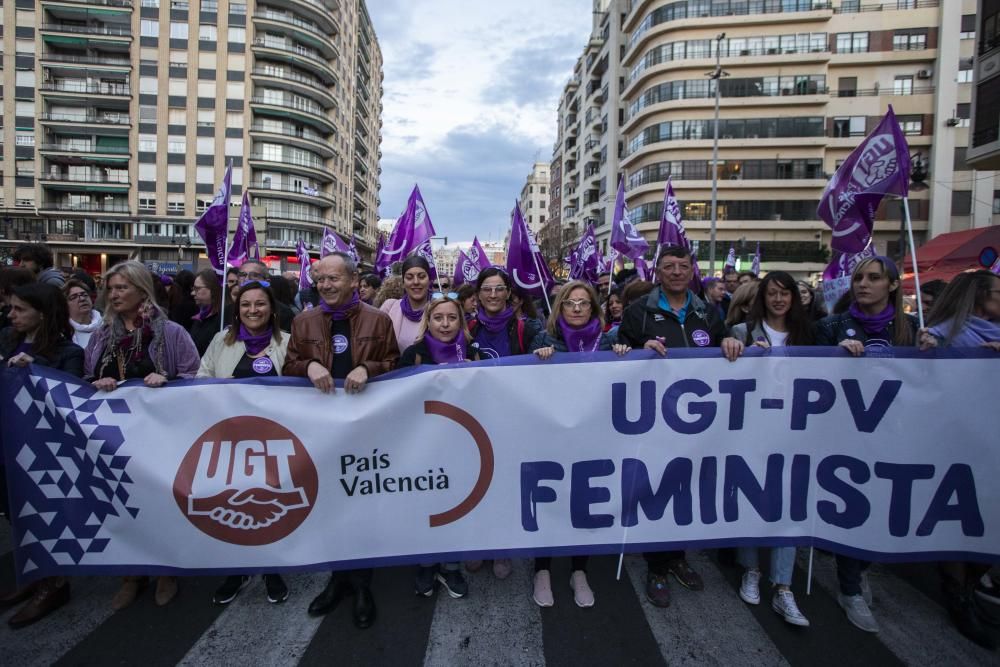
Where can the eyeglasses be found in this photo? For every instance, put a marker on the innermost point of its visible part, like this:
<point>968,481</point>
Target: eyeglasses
<point>252,275</point>
<point>198,289</point>
<point>496,289</point>
<point>441,295</point>
<point>79,296</point>
<point>573,304</point>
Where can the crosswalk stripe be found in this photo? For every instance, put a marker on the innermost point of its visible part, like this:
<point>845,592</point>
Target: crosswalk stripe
<point>497,620</point>
<point>706,627</point>
<point>50,638</point>
<point>912,626</point>
<point>254,631</point>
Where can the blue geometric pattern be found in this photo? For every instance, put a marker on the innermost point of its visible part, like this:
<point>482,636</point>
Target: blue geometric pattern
<point>68,477</point>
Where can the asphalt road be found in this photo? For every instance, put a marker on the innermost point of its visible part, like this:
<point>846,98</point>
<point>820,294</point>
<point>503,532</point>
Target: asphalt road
<point>498,623</point>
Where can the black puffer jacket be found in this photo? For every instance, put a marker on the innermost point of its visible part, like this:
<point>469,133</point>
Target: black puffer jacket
<point>834,329</point>
<point>645,320</point>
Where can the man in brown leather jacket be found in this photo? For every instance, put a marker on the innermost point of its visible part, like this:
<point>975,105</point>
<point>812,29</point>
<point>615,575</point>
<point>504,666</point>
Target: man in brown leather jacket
<point>342,339</point>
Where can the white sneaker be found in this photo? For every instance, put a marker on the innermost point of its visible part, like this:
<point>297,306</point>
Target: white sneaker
<point>750,587</point>
<point>866,589</point>
<point>783,602</point>
<point>858,612</point>
<point>582,594</point>
<point>542,593</point>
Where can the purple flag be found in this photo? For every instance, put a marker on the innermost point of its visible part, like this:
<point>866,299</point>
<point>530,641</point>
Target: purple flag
<point>466,271</point>
<point>730,260</point>
<point>879,166</point>
<point>996,267</point>
<point>412,233</point>
<point>478,255</point>
<point>755,265</point>
<point>383,266</point>
<point>332,243</point>
<point>625,238</point>
<point>426,251</point>
<point>671,225</point>
<point>213,225</point>
<point>586,258</point>
<point>305,282</point>
<point>352,250</point>
<point>245,239</point>
<point>837,275</point>
<point>522,264</point>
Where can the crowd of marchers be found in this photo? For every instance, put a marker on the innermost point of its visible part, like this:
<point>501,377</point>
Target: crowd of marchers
<point>348,327</point>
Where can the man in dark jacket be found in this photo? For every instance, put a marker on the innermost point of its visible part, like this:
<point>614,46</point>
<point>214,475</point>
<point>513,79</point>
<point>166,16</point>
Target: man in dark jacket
<point>37,258</point>
<point>671,316</point>
<point>347,340</point>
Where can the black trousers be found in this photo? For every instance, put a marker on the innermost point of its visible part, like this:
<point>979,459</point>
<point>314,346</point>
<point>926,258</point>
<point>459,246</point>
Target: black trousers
<point>657,561</point>
<point>354,578</point>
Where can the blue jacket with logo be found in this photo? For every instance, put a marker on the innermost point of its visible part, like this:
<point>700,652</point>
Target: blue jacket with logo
<point>645,320</point>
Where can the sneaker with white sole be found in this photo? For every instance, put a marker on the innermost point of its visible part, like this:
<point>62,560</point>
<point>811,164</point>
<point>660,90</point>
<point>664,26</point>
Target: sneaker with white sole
<point>582,593</point>
<point>783,602</point>
<point>987,589</point>
<point>542,592</point>
<point>858,612</point>
<point>866,589</point>
<point>454,583</point>
<point>426,580</point>
<point>750,587</point>
<point>230,588</point>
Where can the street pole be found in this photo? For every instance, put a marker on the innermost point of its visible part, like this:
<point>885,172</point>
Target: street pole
<point>717,77</point>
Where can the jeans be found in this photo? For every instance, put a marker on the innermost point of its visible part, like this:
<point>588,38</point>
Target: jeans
<point>849,571</point>
<point>782,562</point>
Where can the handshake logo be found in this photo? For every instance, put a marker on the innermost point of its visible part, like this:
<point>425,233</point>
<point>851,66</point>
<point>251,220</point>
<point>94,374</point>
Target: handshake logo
<point>247,481</point>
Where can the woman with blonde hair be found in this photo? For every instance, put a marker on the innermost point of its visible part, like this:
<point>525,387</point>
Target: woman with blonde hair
<point>739,305</point>
<point>576,324</point>
<point>443,338</point>
<point>138,341</point>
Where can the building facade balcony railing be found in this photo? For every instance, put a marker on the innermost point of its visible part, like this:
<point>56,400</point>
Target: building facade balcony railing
<point>313,110</point>
<point>127,4</point>
<point>103,29</point>
<point>288,76</point>
<point>86,60</point>
<point>298,51</point>
<point>304,190</point>
<point>112,118</point>
<point>855,6</point>
<point>87,207</point>
<point>117,89</point>
<point>92,177</point>
<point>289,160</point>
<point>84,148</point>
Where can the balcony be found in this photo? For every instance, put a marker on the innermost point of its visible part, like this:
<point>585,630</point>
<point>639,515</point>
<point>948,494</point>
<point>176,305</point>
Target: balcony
<point>108,206</point>
<point>296,55</point>
<point>53,60</point>
<point>308,140</point>
<point>324,14</point>
<point>93,180</point>
<point>314,196</point>
<point>121,4</point>
<point>110,123</point>
<point>313,168</point>
<point>312,114</point>
<point>296,83</point>
<point>85,147</point>
<point>104,89</point>
<point>279,23</point>
<point>93,30</point>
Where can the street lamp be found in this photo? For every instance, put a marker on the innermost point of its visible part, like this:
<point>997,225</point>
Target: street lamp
<point>716,76</point>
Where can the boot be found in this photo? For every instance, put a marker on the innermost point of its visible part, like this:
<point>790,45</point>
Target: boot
<point>18,595</point>
<point>166,589</point>
<point>51,593</point>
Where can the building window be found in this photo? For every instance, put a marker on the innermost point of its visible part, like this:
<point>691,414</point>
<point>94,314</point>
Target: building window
<point>847,86</point>
<point>908,40</point>
<point>965,75</point>
<point>147,203</point>
<point>963,112</point>
<point>148,85</point>
<point>237,35</point>
<point>961,202</point>
<point>149,28</point>
<point>147,143</point>
<point>849,126</point>
<point>852,42</point>
<point>911,124</point>
<point>996,202</point>
<point>24,140</point>
<point>208,32</point>
<point>968,30</point>
<point>902,85</point>
<point>175,206</point>
<point>176,145</point>
<point>178,30</point>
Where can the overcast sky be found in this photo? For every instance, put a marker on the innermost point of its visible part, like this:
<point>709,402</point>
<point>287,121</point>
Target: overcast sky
<point>471,92</point>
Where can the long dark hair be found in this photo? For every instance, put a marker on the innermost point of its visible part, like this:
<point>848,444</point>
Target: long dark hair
<point>960,300</point>
<point>211,280</point>
<point>54,327</point>
<point>234,330</point>
<point>797,320</point>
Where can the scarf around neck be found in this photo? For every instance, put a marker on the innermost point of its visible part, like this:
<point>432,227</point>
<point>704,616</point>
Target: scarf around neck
<point>873,324</point>
<point>254,344</point>
<point>204,313</point>
<point>446,353</point>
<point>974,333</point>
<point>495,323</point>
<point>95,323</point>
<point>409,312</point>
<point>584,339</point>
<point>341,312</point>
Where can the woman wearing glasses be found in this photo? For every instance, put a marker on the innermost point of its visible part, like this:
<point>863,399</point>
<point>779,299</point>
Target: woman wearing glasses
<point>443,340</point>
<point>407,312</point>
<point>575,325</point>
<point>83,317</point>
<point>255,347</point>
<point>207,293</point>
<point>498,332</point>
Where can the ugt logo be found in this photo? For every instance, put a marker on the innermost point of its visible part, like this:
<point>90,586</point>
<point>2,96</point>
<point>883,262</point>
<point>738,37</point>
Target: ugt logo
<point>247,481</point>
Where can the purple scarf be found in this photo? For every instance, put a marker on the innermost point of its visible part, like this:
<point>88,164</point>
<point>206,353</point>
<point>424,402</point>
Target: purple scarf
<point>585,339</point>
<point>873,324</point>
<point>340,312</point>
<point>409,312</point>
<point>255,344</point>
<point>446,353</point>
<point>495,323</point>
<point>204,313</point>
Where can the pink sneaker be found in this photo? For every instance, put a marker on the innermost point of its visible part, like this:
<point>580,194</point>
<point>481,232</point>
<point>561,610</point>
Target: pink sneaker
<point>542,593</point>
<point>582,594</point>
<point>502,568</point>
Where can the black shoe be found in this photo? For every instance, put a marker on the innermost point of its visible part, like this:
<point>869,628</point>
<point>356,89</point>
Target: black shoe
<point>277,590</point>
<point>424,584</point>
<point>985,612</point>
<point>230,588</point>
<point>331,596</point>
<point>364,608</point>
<point>967,622</point>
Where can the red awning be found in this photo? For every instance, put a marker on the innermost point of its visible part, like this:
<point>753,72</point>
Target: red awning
<point>947,255</point>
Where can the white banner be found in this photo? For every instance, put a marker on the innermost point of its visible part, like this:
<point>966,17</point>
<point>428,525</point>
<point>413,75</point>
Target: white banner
<point>881,458</point>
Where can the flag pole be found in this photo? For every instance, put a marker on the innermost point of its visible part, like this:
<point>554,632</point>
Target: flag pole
<point>225,271</point>
<point>545,290</point>
<point>913,257</point>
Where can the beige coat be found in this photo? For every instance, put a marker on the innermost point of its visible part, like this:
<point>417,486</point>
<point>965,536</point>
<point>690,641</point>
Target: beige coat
<point>220,359</point>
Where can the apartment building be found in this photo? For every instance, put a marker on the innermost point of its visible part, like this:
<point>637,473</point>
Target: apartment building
<point>119,121</point>
<point>535,197</point>
<point>803,81</point>
<point>984,149</point>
